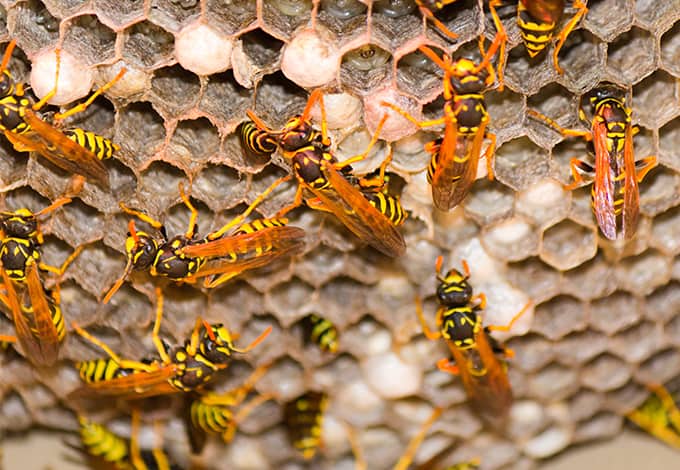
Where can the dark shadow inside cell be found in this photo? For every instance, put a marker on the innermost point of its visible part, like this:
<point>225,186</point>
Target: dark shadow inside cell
<point>173,15</point>
<point>365,68</point>
<point>89,40</point>
<point>263,49</point>
<point>224,99</point>
<point>231,17</point>
<point>278,99</point>
<point>176,89</point>
<point>147,45</point>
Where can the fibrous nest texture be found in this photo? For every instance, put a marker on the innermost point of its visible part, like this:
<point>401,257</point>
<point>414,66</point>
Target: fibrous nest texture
<point>605,317</point>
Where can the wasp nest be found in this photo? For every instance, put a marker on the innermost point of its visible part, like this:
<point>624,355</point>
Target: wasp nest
<point>605,317</point>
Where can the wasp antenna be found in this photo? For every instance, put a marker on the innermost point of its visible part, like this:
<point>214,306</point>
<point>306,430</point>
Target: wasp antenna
<point>257,341</point>
<point>8,55</point>
<point>119,282</point>
<point>208,329</point>
<point>466,268</point>
<point>54,206</point>
<point>438,266</point>
<point>430,54</point>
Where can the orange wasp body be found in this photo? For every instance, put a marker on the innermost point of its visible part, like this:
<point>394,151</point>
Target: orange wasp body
<point>615,193</point>
<point>182,368</point>
<point>330,181</point>
<point>455,156</point>
<point>74,150</point>
<point>475,352</point>
<point>184,258</point>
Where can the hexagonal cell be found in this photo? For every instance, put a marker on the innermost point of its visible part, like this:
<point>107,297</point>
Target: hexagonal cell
<point>665,234</point>
<point>64,8</point>
<point>672,329</point>
<point>118,15</point>
<point>602,23</point>
<point>34,26</point>
<point>578,348</point>
<point>139,148</point>
<point>656,100</point>
<point>584,404</point>
<point>148,45</point>
<point>627,308</point>
<point>559,316</point>
<point>175,90</point>
<point>656,16</point>
<point>534,277</point>
<point>637,342</point>
<point>631,56</point>
<point>553,101</point>
<point>568,244</point>
<point>172,15</point>
<point>525,75</point>
<point>659,192</point>
<point>219,187</point>
<point>278,99</point>
<point>90,40</point>
<point>512,239</point>
<point>606,372</point>
<point>418,75</point>
<point>554,382</point>
<point>489,202</point>
<point>643,273</point>
<point>664,303</point>
<point>582,57</point>
<point>192,144</point>
<point>520,163</point>
<point>395,22</point>
<point>600,426</point>
<point>546,202</point>
<point>365,68</point>
<point>669,143</point>
<point>262,50</point>
<point>506,110</point>
<point>232,17</point>
<point>282,17</point>
<point>158,187</point>
<point>532,352</point>
<point>223,88</point>
<point>660,368</point>
<point>670,50</point>
<point>346,18</point>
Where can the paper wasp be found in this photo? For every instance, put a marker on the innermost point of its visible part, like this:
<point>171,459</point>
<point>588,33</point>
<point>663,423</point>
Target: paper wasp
<point>182,368</point>
<point>112,451</point>
<point>330,181</point>
<point>474,351</point>
<point>75,150</point>
<point>321,332</point>
<point>538,20</point>
<point>216,257</point>
<point>455,156</point>
<point>659,416</point>
<point>616,174</point>
<point>304,419</point>
<point>36,313</point>
<point>213,413</point>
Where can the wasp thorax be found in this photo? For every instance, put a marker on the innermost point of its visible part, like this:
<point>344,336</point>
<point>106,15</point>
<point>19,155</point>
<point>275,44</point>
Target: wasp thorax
<point>21,225</point>
<point>296,134</point>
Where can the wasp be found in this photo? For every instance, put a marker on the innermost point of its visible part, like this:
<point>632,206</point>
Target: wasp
<point>112,451</point>
<point>454,157</point>
<point>616,174</point>
<point>317,170</point>
<point>213,413</point>
<point>182,368</point>
<point>475,352</point>
<point>321,332</point>
<point>75,150</point>
<point>36,313</point>
<point>304,419</point>
<point>537,21</point>
<point>216,257</point>
<point>659,416</point>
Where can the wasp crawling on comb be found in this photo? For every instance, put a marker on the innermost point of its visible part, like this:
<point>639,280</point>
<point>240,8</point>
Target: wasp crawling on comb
<point>217,257</point>
<point>74,150</point>
<point>182,368</point>
<point>36,312</point>
<point>331,182</point>
<point>475,352</point>
<point>303,417</point>
<point>659,416</point>
<point>616,174</point>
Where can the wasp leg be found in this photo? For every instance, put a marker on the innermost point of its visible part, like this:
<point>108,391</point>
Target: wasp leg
<point>428,15</point>
<point>8,339</point>
<point>564,131</point>
<point>359,459</point>
<point>499,44</point>
<point>418,439</point>
<point>191,228</point>
<point>514,319</point>
<point>644,166</point>
<point>575,165</point>
<point>582,9</point>
<point>84,105</point>
<point>432,335</point>
<point>445,365</point>
<point>297,202</point>
<point>489,155</point>
<point>155,335</point>
<point>420,124</point>
<point>482,300</point>
<point>238,220</point>
<point>255,342</point>
<point>64,266</point>
<point>141,216</point>
<point>364,154</point>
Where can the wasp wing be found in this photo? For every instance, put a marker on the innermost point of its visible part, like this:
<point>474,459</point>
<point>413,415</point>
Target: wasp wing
<point>52,144</point>
<point>44,328</point>
<point>136,385</point>
<point>350,206</point>
<point>548,11</point>
<point>631,192</point>
<point>603,186</point>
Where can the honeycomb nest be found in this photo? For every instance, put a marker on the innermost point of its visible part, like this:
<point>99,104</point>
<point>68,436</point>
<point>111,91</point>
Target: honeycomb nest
<point>605,320</point>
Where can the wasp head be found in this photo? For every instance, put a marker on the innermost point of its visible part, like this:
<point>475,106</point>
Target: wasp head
<point>6,84</point>
<point>141,249</point>
<point>217,344</point>
<point>20,224</point>
<point>465,77</point>
<point>454,289</point>
<point>296,134</point>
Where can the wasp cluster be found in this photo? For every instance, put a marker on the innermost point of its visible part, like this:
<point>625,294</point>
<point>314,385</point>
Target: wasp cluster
<point>606,318</point>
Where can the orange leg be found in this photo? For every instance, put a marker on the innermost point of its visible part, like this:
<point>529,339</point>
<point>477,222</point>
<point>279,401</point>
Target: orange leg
<point>582,10</point>
<point>644,166</point>
<point>428,15</point>
<point>551,123</point>
<point>420,124</point>
<point>575,165</point>
<point>297,202</point>
<point>445,365</point>
<point>514,319</point>
<point>406,459</point>
<point>83,106</point>
<point>431,335</point>
<point>489,155</point>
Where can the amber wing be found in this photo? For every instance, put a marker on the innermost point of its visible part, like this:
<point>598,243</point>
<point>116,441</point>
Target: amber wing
<point>631,195</point>
<point>603,190</point>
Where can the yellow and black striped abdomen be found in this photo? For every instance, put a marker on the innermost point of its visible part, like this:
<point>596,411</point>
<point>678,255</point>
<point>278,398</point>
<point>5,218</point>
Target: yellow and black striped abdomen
<point>321,332</point>
<point>304,420</point>
<point>103,444</point>
<point>12,113</point>
<point>536,34</point>
<point>102,147</point>
<point>98,370</point>
<point>56,316</point>
<point>255,140</point>
<point>389,206</point>
<point>211,418</point>
<point>261,224</point>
